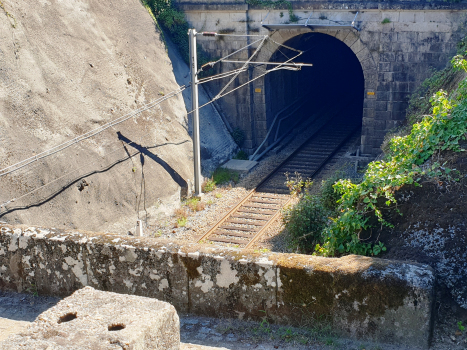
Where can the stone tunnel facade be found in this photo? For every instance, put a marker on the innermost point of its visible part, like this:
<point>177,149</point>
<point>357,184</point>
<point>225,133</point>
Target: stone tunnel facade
<point>397,44</point>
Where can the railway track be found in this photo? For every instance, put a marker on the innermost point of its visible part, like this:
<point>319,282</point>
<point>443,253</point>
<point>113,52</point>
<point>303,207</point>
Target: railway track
<point>249,219</point>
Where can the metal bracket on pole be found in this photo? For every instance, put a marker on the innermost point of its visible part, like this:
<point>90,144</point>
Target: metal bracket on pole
<point>306,23</point>
<point>195,109</point>
<point>353,22</point>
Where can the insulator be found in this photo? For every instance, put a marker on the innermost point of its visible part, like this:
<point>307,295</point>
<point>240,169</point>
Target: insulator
<point>209,34</point>
<point>207,66</point>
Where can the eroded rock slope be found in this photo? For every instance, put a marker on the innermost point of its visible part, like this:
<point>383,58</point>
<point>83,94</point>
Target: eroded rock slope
<point>68,67</point>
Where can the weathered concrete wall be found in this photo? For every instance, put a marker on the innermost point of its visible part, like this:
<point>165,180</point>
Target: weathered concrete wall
<point>361,297</point>
<point>395,57</point>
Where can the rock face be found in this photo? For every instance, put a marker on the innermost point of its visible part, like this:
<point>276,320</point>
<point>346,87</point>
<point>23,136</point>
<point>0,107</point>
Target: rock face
<point>91,319</point>
<point>67,68</point>
<point>363,298</point>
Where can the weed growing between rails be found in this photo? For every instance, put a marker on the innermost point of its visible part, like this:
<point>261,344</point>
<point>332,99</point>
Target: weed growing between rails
<point>405,163</point>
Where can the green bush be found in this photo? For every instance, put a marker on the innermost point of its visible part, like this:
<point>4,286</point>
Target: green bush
<point>305,222</point>
<point>242,155</point>
<point>174,24</point>
<point>329,195</point>
<point>222,175</point>
<point>405,163</point>
<point>209,185</point>
<point>238,136</point>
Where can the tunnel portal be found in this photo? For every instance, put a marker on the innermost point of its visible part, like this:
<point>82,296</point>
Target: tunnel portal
<point>334,85</point>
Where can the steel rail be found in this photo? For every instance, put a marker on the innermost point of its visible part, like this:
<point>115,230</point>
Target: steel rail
<point>258,197</point>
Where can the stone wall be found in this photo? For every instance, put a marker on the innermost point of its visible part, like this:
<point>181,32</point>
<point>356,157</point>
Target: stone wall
<point>361,297</point>
<point>395,56</point>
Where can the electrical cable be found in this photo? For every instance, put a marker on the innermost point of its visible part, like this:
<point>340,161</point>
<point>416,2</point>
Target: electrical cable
<point>243,48</point>
<point>220,76</point>
<point>65,145</point>
<point>242,35</point>
<point>74,170</point>
<point>58,148</point>
<point>87,135</point>
<point>259,76</point>
<point>243,67</point>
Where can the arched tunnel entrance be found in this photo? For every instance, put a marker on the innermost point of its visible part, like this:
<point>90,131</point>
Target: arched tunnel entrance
<point>334,85</point>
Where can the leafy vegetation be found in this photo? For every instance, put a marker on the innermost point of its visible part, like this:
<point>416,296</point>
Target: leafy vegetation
<point>222,176</point>
<point>181,221</point>
<point>173,23</point>
<point>238,136</point>
<point>242,155</point>
<point>306,220</point>
<point>195,204</point>
<point>208,185</point>
<point>329,196</point>
<point>359,206</point>
<point>386,21</point>
<point>181,215</point>
<point>404,164</point>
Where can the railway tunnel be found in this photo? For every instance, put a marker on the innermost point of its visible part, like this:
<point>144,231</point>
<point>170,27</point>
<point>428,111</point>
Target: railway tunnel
<point>331,91</point>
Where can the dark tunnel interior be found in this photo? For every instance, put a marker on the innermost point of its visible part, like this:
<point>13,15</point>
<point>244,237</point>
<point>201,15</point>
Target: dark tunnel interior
<point>335,83</point>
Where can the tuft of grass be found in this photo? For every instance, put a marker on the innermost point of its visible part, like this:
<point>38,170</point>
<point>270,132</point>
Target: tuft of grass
<point>386,21</point>
<point>222,176</point>
<point>218,195</point>
<point>181,222</point>
<point>208,185</point>
<point>195,204</point>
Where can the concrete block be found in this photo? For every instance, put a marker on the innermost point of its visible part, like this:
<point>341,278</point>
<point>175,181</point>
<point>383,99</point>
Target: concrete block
<point>368,113</point>
<point>384,96</point>
<point>419,17</point>
<point>385,67</point>
<point>363,55</point>
<point>91,319</point>
<point>387,57</point>
<point>405,16</point>
<point>350,39</point>
<point>381,105</point>
<point>243,166</point>
<point>382,115</point>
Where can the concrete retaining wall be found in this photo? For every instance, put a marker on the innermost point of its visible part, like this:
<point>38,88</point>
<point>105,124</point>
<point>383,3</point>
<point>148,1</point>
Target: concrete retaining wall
<point>362,297</point>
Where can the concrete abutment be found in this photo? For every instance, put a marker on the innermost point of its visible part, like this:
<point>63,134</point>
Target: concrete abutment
<point>396,56</point>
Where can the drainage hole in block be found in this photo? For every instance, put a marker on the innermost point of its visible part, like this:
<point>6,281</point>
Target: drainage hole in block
<point>68,317</point>
<point>116,327</point>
